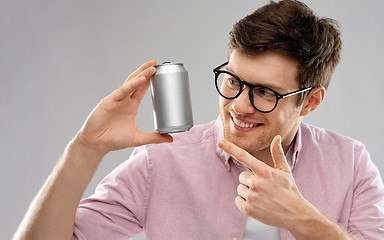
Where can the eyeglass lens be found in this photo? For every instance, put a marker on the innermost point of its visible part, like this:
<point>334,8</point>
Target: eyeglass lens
<point>229,87</point>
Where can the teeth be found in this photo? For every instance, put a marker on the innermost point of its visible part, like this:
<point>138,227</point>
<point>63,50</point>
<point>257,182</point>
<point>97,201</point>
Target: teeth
<point>241,124</point>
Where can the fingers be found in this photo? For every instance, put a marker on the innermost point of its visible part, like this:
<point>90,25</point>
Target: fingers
<point>146,70</point>
<point>127,89</point>
<point>141,69</point>
<point>136,80</point>
<point>140,92</point>
<point>243,156</point>
<point>245,178</point>
<point>240,203</point>
<point>243,190</point>
<point>138,84</point>
<point>278,155</point>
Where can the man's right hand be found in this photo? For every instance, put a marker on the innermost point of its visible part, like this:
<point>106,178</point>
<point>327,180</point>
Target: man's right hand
<point>112,124</point>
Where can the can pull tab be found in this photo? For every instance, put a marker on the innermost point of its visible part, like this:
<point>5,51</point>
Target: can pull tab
<point>166,62</point>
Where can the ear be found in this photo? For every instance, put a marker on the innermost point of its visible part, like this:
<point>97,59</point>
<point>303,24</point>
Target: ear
<point>313,100</point>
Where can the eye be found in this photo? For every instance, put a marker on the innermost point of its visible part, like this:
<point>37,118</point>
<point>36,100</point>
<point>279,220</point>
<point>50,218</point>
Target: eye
<point>264,93</point>
<point>232,82</point>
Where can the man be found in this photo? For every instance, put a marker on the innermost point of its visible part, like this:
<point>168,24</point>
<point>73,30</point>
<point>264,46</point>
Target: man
<point>296,181</point>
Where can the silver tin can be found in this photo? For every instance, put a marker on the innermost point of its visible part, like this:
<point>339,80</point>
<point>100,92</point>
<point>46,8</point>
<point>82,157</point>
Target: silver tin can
<point>171,98</point>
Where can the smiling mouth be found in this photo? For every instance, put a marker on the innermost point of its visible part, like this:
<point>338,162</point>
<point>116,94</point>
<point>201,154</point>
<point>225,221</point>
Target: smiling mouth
<point>242,124</point>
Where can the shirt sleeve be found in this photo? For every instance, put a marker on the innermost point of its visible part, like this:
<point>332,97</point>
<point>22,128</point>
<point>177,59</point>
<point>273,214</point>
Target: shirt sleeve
<point>117,208</point>
<point>367,214</point>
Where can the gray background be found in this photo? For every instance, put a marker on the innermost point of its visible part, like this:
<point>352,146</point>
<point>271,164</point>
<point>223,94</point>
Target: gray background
<point>59,58</point>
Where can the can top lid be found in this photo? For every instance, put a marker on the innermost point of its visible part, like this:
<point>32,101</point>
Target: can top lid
<point>168,63</point>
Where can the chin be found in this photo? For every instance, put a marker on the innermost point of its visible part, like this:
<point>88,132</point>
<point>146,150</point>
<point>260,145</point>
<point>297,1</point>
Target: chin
<point>252,137</point>
<point>251,144</point>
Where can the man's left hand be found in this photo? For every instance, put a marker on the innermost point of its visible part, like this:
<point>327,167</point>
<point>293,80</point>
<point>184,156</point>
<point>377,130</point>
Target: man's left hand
<point>267,194</point>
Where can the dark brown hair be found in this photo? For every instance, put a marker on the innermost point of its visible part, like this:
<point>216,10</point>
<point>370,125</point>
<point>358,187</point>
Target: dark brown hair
<point>291,28</point>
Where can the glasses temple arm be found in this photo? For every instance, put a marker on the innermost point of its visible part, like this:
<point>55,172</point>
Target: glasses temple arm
<point>296,92</point>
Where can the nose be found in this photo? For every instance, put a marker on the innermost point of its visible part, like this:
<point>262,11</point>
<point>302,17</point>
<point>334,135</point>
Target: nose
<point>242,105</point>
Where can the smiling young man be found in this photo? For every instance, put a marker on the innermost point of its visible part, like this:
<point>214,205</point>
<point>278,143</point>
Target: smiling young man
<point>257,172</point>
<point>251,129</point>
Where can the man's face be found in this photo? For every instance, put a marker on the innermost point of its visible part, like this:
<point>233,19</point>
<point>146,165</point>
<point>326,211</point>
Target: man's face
<point>273,70</point>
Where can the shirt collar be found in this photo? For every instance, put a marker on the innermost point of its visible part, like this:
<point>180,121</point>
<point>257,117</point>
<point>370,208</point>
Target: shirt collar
<point>219,135</point>
<point>292,154</point>
<point>297,145</point>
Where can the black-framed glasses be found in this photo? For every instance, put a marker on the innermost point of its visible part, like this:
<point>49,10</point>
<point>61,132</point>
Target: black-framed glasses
<point>263,98</point>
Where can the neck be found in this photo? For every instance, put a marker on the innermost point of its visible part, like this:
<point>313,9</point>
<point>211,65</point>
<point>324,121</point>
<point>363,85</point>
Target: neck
<point>265,156</point>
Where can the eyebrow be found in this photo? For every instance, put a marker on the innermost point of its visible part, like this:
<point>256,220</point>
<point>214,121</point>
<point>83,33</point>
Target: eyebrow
<point>275,87</point>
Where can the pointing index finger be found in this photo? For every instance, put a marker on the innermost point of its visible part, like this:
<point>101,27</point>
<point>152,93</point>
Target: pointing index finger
<point>242,156</point>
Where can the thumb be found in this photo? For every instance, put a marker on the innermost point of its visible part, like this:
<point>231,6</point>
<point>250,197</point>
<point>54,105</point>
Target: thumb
<point>278,155</point>
<point>153,138</point>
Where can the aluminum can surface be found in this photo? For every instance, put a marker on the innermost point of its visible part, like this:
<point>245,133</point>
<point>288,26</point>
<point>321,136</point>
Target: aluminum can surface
<point>171,98</point>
